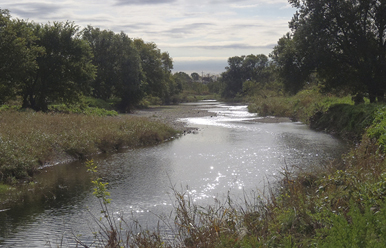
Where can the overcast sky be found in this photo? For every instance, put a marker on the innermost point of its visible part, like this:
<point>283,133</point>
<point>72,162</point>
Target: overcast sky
<point>200,35</point>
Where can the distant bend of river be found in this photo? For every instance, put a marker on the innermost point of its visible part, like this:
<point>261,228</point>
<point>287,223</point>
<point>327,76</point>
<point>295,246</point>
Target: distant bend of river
<point>231,153</point>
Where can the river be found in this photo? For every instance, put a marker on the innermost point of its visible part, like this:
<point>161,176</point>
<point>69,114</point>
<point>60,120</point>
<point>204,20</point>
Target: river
<point>232,152</point>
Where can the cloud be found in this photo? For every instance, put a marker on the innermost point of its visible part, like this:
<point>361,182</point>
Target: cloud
<point>227,46</point>
<point>143,2</point>
<point>201,66</point>
<point>32,9</point>
<point>187,29</point>
<point>203,30</point>
<point>201,58</point>
<point>237,6</point>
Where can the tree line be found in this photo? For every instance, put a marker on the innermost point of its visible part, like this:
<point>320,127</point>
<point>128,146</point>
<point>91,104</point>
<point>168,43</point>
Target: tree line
<point>59,63</point>
<point>339,45</point>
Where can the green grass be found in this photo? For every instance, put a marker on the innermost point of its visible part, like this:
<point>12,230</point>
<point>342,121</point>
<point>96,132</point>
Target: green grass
<point>62,108</point>
<point>29,139</point>
<point>4,188</point>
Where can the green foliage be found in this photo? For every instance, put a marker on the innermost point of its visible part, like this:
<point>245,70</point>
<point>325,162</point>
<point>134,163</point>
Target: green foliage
<point>293,69</point>
<point>349,121</point>
<point>56,63</point>
<point>156,67</point>
<point>64,70</point>
<point>18,51</point>
<point>302,106</point>
<point>118,65</point>
<point>244,68</point>
<point>76,109</point>
<point>98,103</point>
<point>6,107</point>
<point>378,129</point>
<point>100,190</point>
<point>343,41</point>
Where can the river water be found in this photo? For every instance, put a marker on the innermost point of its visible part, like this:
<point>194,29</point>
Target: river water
<point>232,153</point>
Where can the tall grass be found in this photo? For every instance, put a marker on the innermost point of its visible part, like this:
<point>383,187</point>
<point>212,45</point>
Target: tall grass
<point>300,107</point>
<point>30,139</point>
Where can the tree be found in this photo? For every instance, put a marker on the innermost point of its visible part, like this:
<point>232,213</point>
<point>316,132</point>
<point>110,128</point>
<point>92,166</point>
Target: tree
<point>254,66</point>
<point>129,87</point>
<point>346,40</point>
<point>195,76</point>
<point>233,78</point>
<point>64,70</point>
<point>18,54</point>
<point>241,69</point>
<point>152,67</point>
<point>104,47</point>
<point>157,68</point>
<point>291,65</point>
<point>118,65</point>
<point>182,80</point>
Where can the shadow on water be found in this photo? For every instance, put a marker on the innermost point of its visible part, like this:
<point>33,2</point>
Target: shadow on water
<point>232,152</point>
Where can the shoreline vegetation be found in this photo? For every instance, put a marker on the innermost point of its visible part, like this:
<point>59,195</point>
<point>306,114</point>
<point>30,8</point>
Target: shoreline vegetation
<point>30,139</point>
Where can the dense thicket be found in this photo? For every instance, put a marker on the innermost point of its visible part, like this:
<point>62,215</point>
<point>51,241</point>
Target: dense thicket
<point>52,63</point>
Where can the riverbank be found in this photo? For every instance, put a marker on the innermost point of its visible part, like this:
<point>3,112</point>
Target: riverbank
<point>29,140</point>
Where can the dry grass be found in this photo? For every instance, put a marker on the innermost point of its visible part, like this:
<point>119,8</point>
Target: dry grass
<point>29,139</point>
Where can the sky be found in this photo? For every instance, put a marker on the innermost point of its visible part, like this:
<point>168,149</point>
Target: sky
<point>200,35</point>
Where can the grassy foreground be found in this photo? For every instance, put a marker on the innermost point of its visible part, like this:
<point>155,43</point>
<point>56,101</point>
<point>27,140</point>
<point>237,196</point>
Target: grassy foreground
<point>30,139</point>
<point>342,204</point>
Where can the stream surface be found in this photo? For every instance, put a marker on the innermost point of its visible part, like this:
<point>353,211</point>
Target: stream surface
<point>231,153</point>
